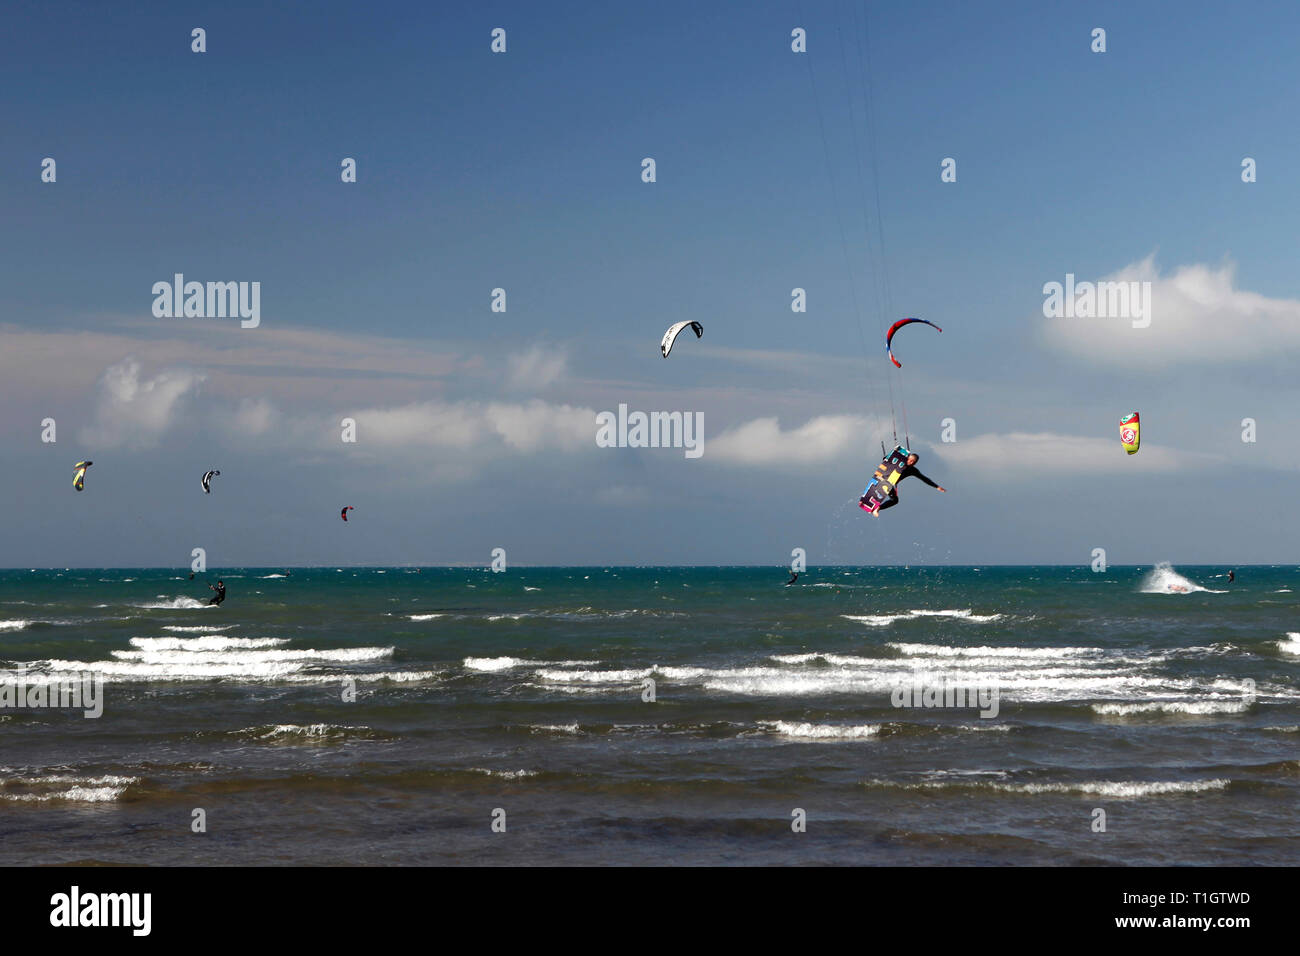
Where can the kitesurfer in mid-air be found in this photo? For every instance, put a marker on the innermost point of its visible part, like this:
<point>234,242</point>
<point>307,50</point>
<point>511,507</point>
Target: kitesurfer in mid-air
<point>220,596</point>
<point>908,472</point>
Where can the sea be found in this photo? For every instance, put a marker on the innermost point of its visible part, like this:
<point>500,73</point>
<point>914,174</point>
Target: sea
<point>651,716</point>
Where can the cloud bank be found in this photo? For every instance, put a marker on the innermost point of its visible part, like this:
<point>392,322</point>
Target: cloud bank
<point>1046,453</point>
<point>1198,315</point>
<point>135,412</point>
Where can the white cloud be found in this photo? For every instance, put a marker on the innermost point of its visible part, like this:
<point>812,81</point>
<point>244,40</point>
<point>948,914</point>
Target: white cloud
<point>254,416</point>
<point>1020,455</point>
<point>426,424</point>
<point>489,428</point>
<point>136,412</point>
<point>287,365</point>
<point>536,368</point>
<point>1197,315</point>
<point>538,425</point>
<point>818,441</point>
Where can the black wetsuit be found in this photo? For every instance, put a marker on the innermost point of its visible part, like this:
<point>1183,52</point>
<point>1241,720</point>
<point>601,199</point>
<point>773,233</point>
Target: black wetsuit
<point>794,576</point>
<point>220,595</point>
<point>1232,576</point>
<point>909,472</point>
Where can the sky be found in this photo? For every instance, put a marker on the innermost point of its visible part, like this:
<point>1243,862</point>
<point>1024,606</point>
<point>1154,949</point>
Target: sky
<point>522,170</point>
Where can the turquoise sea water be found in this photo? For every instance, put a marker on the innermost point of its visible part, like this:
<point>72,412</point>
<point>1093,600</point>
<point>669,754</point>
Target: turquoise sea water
<point>1176,712</point>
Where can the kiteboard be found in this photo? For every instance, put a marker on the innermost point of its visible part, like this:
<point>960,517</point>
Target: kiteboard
<point>887,474</point>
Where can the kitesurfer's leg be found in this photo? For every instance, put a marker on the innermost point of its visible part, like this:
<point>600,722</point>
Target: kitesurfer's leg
<point>893,500</point>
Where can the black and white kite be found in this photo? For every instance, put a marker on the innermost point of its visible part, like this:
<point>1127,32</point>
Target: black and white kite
<point>670,336</point>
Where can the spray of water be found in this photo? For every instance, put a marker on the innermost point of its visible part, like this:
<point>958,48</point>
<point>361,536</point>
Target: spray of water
<point>1163,579</point>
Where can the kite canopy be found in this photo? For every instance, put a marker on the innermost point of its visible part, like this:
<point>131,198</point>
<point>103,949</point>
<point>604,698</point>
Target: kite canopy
<point>670,336</point>
<point>207,481</point>
<point>79,476</point>
<point>1129,435</point>
<point>344,513</point>
<point>889,339</point>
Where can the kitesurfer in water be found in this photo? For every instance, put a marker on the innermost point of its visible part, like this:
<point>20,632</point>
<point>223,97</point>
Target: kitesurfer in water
<point>908,472</point>
<point>1232,576</point>
<point>794,576</point>
<point>220,596</point>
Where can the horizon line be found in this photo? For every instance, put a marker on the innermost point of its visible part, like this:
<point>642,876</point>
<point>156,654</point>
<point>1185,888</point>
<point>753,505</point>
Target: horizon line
<point>608,567</point>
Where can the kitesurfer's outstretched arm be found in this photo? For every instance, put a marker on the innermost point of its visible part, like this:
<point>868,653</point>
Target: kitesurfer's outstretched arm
<point>909,470</point>
<point>912,472</point>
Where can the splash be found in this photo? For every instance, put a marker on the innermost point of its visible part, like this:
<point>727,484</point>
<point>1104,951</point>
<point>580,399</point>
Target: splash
<point>1163,579</point>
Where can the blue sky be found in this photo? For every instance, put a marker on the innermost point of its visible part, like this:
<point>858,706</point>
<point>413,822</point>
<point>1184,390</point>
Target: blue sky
<point>522,171</point>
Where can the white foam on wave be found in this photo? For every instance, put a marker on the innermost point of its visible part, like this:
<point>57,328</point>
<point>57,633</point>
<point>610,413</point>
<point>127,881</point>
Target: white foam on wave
<point>568,729</point>
<point>208,668</point>
<point>397,677</point>
<point>1117,788</point>
<point>64,787</point>
<point>1128,676</point>
<point>1102,788</point>
<point>198,628</point>
<point>302,731</point>
<point>504,774</point>
<point>884,620</point>
<point>820,732</point>
<point>209,642</point>
<point>874,620</point>
<point>174,670</point>
<point>180,603</point>
<point>493,663</point>
<point>1173,707</point>
<point>1023,679</point>
<point>593,677</point>
<point>1291,644</point>
<point>1039,662</point>
<point>966,615</point>
<point>840,660</point>
<point>1053,685</point>
<point>422,617</point>
<point>580,614</point>
<point>241,657</point>
<point>940,650</point>
<point>15,625</point>
<point>267,577</point>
